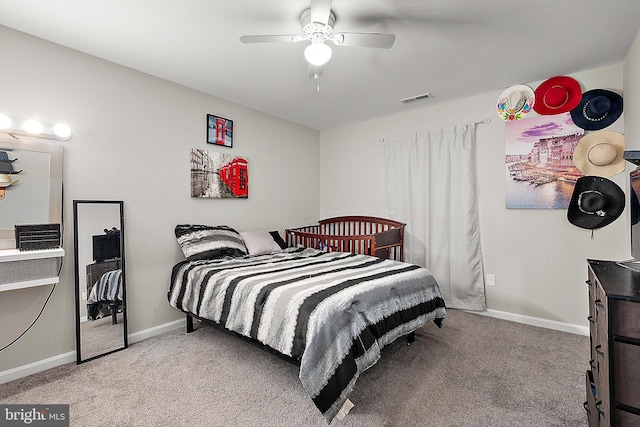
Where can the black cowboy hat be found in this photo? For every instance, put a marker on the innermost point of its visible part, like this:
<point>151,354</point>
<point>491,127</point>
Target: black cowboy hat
<point>595,202</point>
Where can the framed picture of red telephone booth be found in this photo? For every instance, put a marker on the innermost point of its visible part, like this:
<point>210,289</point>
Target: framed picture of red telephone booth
<point>219,131</point>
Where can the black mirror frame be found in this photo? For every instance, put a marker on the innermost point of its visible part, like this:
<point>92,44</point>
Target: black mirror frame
<point>79,359</point>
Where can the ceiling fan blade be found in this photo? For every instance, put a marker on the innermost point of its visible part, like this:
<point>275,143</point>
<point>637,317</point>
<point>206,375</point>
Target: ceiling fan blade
<point>315,71</point>
<point>320,10</point>
<point>268,38</point>
<point>382,41</point>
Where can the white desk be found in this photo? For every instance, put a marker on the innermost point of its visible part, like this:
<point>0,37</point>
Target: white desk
<point>26,269</point>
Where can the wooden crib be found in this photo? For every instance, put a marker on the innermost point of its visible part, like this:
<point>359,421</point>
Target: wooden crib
<point>366,235</point>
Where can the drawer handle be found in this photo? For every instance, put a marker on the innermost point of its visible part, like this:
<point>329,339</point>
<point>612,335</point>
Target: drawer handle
<point>600,411</point>
<point>598,347</point>
<point>588,282</point>
<point>590,319</point>
<point>599,303</point>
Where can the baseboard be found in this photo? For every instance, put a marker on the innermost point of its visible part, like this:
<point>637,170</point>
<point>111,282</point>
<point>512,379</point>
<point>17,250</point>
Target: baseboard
<point>70,357</point>
<point>35,367</point>
<point>156,330</point>
<point>535,321</point>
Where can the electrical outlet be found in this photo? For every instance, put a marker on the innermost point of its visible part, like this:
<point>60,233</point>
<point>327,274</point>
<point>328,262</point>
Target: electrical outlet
<point>490,280</point>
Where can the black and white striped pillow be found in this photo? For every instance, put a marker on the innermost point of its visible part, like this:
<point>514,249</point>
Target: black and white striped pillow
<point>208,242</point>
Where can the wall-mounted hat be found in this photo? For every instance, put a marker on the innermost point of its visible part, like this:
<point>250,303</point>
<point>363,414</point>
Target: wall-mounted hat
<point>6,167</point>
<point>597,109</point>
<point>595,202</point>
<point>600,153</point>
<point>5,181</point>
<point>557,95</point>
<point>515,102</point>
<point>6,164</point>
<point>4,157</point>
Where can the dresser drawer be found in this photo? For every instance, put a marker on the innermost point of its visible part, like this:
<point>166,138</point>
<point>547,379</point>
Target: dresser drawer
<point>593,411</point>
<point>602,328</point>
<point>591,284</point>
<point>592,340</point>
<point>626,319</point>
<point>29,269</point>
<point>626,375</point>
<point>626,419</point>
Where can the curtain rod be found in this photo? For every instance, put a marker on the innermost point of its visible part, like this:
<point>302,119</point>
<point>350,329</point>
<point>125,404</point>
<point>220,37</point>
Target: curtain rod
<point>481,122</point>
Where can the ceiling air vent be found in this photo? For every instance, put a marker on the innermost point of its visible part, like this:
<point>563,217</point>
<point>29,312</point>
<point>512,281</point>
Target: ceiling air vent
<point>415,98</point>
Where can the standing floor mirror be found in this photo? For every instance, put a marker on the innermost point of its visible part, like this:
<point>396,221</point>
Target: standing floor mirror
<point>100,280</point>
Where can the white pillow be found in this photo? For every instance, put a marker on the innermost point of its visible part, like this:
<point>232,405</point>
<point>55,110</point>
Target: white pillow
<point>260,242</point>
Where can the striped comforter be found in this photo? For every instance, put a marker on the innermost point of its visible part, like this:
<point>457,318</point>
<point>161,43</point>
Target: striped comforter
<point>107,289</point>
<point>332,311</point>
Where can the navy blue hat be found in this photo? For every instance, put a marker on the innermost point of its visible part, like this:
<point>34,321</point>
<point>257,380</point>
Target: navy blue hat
<point>597,109</point>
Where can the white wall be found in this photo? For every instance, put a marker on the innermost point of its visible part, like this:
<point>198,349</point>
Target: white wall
<point>132,139</point>
<point>538,257</point>
<point>632,95</point>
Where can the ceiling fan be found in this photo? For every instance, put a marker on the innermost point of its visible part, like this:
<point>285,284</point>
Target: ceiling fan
<point>317,28</point>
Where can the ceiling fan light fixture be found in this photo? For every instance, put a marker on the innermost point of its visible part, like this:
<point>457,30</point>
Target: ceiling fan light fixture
<point>317,53</point>
<point>338,39</point>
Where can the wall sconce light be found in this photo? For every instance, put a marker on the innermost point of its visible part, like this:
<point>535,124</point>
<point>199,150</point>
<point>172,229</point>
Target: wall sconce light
<point>15,126</point>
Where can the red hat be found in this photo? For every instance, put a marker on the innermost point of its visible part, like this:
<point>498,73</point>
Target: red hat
<point>557,95</point>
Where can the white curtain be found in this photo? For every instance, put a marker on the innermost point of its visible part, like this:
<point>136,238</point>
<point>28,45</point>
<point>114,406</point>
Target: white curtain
<point>431,186</point>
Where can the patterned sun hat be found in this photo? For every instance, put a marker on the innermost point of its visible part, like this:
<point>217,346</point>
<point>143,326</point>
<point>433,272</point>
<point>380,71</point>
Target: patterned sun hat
<point>515,102</point>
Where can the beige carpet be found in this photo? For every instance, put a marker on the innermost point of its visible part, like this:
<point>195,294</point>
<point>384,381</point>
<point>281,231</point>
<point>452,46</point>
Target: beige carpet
<point>101,336</point>
<point>476,371</point>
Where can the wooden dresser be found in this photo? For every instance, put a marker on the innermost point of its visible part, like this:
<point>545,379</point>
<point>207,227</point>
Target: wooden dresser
<point>613,380</point>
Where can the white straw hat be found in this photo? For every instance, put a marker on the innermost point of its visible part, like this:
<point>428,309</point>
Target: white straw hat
<point>5,180</point>
<point>600,153</point>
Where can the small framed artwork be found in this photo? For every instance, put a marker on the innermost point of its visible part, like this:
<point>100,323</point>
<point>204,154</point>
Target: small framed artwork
<point>219,131</point>
<point>219,175</point>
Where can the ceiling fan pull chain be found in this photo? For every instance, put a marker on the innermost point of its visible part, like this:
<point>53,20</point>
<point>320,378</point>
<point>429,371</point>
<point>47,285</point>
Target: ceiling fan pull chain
<point>318,79</point>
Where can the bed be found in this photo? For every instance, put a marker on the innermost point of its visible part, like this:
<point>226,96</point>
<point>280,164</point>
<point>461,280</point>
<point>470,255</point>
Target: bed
<point>330,311</point>
<point>106,291</point>
<point>367,235</point>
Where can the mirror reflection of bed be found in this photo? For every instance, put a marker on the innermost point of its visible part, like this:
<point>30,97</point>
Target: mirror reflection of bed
<point>101,308</point>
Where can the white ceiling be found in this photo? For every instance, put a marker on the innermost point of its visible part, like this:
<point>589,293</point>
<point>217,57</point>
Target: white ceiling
<point>450,48</point>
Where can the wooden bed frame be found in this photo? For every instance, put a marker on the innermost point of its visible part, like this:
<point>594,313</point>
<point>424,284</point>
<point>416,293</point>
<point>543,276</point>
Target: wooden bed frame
<point>365,235</point>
